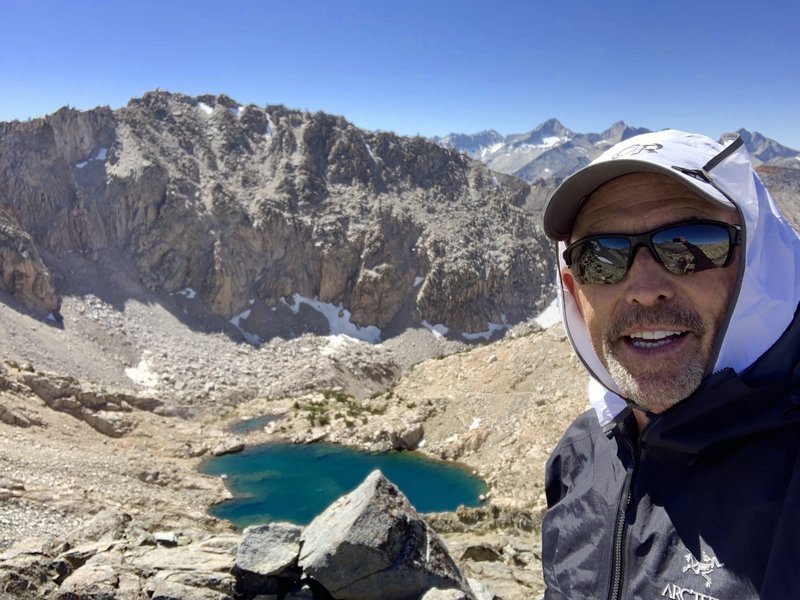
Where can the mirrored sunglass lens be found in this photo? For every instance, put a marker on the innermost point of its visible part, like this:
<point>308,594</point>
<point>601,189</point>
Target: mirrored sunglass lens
<point>691,248</point>
<point>601,260</point>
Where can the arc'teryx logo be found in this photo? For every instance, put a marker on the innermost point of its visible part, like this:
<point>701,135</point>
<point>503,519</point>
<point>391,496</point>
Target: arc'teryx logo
<point>635,149</point>
<point>702,567</point>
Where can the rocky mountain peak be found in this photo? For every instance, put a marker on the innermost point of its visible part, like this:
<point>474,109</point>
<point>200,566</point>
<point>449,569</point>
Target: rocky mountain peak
<point>249,206</point>
<point>762,148</point>
<point>548,134</point>
<point>616,133</point>
<point>471,143</point>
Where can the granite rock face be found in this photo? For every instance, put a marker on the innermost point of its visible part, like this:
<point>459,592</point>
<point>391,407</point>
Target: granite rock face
<point>23,274</point>
<point>248,203</point>
<point>371,545</point>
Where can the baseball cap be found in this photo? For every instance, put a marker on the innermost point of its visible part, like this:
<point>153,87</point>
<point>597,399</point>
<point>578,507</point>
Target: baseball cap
<point>686,157</point>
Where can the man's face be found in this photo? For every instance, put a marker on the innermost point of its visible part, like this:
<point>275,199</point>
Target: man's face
<point>653,331</point>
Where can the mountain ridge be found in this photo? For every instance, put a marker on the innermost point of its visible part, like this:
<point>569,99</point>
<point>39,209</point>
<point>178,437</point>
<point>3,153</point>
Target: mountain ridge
<point>244,204</point>
<point>550,152</point>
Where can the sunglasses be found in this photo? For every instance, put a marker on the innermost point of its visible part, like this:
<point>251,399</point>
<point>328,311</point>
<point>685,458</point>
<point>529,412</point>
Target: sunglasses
<point>682,248</point>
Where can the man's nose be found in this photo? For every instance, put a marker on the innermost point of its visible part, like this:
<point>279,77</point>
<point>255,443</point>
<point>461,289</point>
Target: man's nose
<point>647,281</point>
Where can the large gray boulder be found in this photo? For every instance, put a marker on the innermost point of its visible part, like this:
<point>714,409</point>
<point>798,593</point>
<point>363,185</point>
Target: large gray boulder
<point>266,559</point>
<point>372,545</point>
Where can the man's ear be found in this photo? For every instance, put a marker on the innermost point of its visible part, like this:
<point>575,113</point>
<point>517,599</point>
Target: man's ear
<point>568,280</point>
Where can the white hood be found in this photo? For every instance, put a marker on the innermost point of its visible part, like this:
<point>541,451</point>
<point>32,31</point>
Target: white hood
<point>769,287</point>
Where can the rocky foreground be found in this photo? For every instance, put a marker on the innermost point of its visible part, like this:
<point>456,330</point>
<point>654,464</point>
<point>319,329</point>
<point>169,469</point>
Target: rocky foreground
<point>102,487</point>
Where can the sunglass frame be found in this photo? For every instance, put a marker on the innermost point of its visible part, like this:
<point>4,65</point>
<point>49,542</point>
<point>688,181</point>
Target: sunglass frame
<point>645,239</point>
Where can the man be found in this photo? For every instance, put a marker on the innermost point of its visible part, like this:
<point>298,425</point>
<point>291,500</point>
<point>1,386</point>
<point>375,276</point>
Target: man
<point>680,282</point>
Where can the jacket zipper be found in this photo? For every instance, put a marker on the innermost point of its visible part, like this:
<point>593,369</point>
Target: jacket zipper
<point>620,525</point>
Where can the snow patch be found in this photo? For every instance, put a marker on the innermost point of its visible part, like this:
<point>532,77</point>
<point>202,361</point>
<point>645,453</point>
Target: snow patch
<point>549,316</point>
<point>552,140</point>
<point>241,317</point>
<point>438,330</point>
<point>102,154</point>
<point>485,334</point>
<point>142,375</point>
<point>338,319</point>
<point>495,183</point>
<point>188,293</point>
<point>205,108</point>
<point>236,111</point>
<point>270,127</point>
<point>418,280</point>
<point>371,153</point>
<point>491,149</point>
<point>336,343</point>
<point>476,422</point>
<point>51,317</point>
<point>547,142</point>
<point>237,322</point>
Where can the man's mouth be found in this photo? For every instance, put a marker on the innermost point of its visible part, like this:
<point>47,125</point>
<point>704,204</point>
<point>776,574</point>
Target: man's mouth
<point>649,340</point>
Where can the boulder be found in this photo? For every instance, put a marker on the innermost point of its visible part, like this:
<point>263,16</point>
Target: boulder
<point>482,553</point>
<point>16,417</point>
<point>270,549</point>
<point>372,545</point>
<point>107,525</point>
<point>108,423</point>
<point>198,585</point>
<point>408,437</point>
<point>25,572</point>
<point>228,447</point>
<point>91,582</point>
<point>266,559</point>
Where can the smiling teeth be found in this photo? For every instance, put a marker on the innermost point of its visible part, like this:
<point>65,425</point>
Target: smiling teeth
<point>653,335</point>
<point>652,339</point>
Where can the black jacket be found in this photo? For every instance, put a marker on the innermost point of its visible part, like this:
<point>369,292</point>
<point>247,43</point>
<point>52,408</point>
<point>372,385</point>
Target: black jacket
<point>704,504</point>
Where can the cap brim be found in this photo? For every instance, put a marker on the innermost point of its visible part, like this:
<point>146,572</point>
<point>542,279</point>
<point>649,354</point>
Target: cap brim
<point>566,202</point>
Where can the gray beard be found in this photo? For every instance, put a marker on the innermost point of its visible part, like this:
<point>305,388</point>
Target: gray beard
<point>659,388</point>
<point>657,391</point>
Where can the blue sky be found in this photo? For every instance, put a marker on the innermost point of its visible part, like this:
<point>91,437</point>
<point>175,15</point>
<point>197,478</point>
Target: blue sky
<point>421,67</point>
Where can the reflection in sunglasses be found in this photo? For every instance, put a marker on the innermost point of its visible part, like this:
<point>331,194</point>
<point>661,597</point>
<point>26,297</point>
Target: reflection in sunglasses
<point>682,248</point>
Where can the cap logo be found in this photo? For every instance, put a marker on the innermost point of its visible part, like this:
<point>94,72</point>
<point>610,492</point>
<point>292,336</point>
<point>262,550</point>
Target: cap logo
<point>635,149</point>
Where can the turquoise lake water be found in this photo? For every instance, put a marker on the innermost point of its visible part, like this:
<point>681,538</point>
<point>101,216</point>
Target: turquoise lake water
<point>295,483</point>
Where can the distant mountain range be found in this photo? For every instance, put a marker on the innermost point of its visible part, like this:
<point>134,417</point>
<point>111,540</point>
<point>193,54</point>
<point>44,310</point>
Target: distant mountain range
<point>551,152</point>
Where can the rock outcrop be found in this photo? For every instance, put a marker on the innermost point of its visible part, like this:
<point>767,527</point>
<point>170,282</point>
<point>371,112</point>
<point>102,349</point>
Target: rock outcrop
<point>23,274</point>
<point>257,204</point>
<point>370,544</point>
<point>101,409</point>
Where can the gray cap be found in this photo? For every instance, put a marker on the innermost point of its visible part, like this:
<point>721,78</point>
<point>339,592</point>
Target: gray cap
<point>683,156</point>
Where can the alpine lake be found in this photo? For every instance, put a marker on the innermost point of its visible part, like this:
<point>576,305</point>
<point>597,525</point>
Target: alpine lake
<point>296,482</point>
